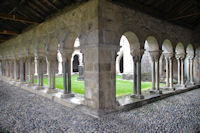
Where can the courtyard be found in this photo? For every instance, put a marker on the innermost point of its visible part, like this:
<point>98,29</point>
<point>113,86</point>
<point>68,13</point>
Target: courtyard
<point>22,111</point>
<point>123,87</point>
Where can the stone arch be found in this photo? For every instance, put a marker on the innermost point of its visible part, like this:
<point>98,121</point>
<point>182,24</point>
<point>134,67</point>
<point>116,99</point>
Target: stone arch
<point>69,40</point>
<point>167,46</point>
<point>133,40</point>
<point>151,44</point>
<point>180,48</point>
<point>190,50</point>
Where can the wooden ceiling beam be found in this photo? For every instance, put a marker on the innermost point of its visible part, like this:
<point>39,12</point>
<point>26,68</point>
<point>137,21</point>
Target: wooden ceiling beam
<point>50,4</point>
<point>16,18</point>
<point>6,32</point>
<point>185,16</point>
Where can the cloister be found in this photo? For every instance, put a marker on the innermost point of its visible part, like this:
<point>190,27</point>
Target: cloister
<point>173,51</point>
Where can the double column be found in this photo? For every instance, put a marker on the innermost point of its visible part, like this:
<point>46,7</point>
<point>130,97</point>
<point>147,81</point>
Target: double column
<point>31,68</point>
<point>169,70</point>
<point>190,70</point>
<point>51,64</point>
<point>180,60</point>
<point>22,61</point>
<point>66,56</point>
<point>40,72</point>
<point>137,56</point>
<point>155,56</point>
<point>191,63</point>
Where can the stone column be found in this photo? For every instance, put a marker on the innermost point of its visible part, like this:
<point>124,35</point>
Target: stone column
<point>7,69</point>
<point>182,72</point>
<point>15,70</point>
<point>51,73</point>
<point>40,61</point>
<point>155,56</point>
<point>157,75</point>
<point>153,75</point>
<point>179,70</point>
<point>188,70</point>
<point>139,91</point>
<point>30,70</point>
<point>167,72</point>
<point>134,76</point>
<point>66,56</point>
<point>22,70</point>
<point>171,72</point>
<point>191,71</point>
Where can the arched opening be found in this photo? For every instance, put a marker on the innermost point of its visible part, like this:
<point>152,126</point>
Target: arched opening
<point>189,64</point>
<point>169,61</point>
<point>75,63</point>
<point>151,64</point>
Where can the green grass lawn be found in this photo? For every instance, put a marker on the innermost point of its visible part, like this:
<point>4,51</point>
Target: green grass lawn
<point>123,87</point>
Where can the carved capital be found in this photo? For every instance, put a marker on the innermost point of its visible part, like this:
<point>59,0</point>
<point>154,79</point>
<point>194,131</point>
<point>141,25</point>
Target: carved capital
<point>180,56</point>
<point>155,55</point>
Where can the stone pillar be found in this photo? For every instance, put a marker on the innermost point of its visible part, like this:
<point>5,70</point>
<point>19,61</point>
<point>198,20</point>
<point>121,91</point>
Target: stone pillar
<point>155,56</point>
<point>182,72</point>
<point>167,72</point>
<point>134,76</point>
<point>15,70</point>
<point>153,75</point>
<point>66,57</point>
<point>191,71</point>
<point>188,70</point>
<point>100,76</point>
<point>51,59</point>
<point>171,72</point>
<point>40,67</point>
<point>157,75</point>
<point>31,67</point>
<point>139,89</point>
<point>7,68</point>
<point>22,70</point>
<point>179,70</point>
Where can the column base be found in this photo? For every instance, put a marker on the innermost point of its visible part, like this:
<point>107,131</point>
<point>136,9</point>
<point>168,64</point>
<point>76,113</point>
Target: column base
<point>39,87</point>
<point>155,91</point>
<point>68,95</point>
<point>133,96</point>
<point>172,88</point>
<point>192,83</point>
<point>137,96</point>
<point>183,85</point>
<point>50,91</point>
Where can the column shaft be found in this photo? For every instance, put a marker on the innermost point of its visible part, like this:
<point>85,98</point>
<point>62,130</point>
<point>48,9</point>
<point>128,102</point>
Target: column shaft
<point>171,72</point>
<point>64,77</point>
<point>188,70</point>
<point>139,91</point>
<point>179,71</point>
<point>134,77</point>
<point>167,72</point>
<point>182,71</point>
<point>69,74</point>
<point>153,75</point>
<point>191,71</point>
<point>157,75</point>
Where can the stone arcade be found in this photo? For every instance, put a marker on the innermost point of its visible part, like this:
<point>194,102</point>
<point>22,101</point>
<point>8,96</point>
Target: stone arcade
<point>99,30</point>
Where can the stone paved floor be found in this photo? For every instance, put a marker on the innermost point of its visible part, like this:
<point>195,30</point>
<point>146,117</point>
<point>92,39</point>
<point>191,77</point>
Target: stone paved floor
<point>21,111</point>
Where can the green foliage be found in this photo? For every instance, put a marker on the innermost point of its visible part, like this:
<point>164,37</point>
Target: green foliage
<point>123,87</point>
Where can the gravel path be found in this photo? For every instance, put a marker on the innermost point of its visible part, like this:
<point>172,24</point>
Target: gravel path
<point>22,111</point>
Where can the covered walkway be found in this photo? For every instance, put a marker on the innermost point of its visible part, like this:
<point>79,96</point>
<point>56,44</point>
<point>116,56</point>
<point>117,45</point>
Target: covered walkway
<point>22,111</point>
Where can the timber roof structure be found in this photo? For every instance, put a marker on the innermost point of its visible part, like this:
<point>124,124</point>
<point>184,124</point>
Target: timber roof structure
<point>18,15</point>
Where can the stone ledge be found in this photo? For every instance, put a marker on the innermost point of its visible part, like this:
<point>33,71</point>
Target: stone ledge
<point>156,97</point>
